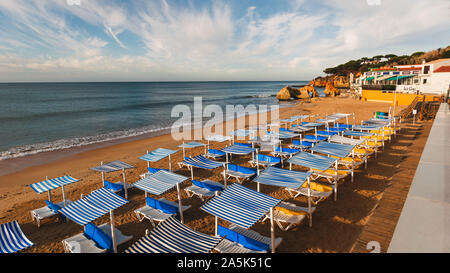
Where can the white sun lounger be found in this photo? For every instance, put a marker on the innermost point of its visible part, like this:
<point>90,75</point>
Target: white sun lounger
<point>316,196</point>
<point>282,218</point>
<point>45,212</point>
<point>81,244</point>
<point>156,215</point>
<point>227,246</point>
<point>202,192</point>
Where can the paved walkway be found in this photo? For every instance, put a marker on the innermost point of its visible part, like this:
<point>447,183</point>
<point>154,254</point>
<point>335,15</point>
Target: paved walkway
<point>377,233</point>
<point>424,224</point>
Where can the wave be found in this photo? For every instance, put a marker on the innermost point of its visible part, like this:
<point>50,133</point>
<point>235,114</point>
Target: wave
<point>74,142</point>
<point>61,144</point>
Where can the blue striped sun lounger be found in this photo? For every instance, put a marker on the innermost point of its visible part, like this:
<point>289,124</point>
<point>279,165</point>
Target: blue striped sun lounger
<point>311,124</point>
<point>54,183</point>
<point>357,133</point>
<point>12,238</point>
<point>265,160</point>
<point>157,155</point>
<point>112,166</point>
<point>240,205</point>
<point>191,145</point>
<point>285,152</point>
<point>240,173</point>
<point>214,153</point>
<point>238,150</point>
<point>335,149</point>
<point>93,206</point>
<point>200,162</point>
<point>171,236</point>
<point>243,208</point>
<point>242,133</point>
<point>301,144</point>
<point>278,177</point>
<point>320,166</point>
<point>160,182</point>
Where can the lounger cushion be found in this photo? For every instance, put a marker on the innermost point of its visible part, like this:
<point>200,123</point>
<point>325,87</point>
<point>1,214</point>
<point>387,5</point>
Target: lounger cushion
<point>52,206</point>
<point>164,207</point>
<point>303,143</point>
<point>318,187</point>
<point>241,239</point>
<point>167,208</point>
<point>113,186</point>
<point>216,152</point>
<point>207,185</point>
<point>102,239</point>
<point>241,169</point>
<point>243,144</point>
<point>290,212</point>
<point>268,158</point>
<point>154,170</point>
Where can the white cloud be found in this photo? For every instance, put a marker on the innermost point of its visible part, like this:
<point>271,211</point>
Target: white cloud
<point>188,42</point>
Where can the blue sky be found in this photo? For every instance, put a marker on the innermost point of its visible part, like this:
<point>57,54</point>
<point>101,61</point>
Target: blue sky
<point>52,40</point>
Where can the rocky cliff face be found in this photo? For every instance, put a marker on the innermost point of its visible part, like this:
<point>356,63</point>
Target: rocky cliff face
<point>330,90</point>
<point>338,81</point>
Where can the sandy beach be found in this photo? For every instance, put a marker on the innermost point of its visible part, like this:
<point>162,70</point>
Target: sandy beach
<point>336,224</point>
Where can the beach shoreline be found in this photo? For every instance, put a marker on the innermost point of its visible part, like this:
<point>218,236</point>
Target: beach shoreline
<point>18,199</point>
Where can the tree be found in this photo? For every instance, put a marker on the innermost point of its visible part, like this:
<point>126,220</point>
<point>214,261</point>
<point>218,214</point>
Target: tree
<point>390,56</point>
<point>417,54</point>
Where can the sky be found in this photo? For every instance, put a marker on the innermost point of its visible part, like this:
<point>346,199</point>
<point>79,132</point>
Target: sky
<point>174,40</point>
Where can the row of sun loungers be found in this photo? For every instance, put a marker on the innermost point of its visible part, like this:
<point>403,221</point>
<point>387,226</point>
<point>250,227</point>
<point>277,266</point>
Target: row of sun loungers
<point>322,153</point>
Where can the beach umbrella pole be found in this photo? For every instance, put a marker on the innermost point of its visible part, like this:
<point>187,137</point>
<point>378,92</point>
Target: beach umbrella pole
<point>63,194</point>
<point>170,163</point>
<point>309,204</point>
<point>125,188</point>
<point>103,175</point>
<point>49,192</point>
<point>335,181</point>
<point>224,176</point>
<point>113,231</point>
<point>272,231</point>
<point>180,206</point>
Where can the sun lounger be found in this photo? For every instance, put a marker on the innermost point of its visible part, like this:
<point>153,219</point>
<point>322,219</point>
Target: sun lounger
<point>94,239</point>
<point>288,214</point>
<point>157,210</point>
<point>12,238</point>
<point>202,189</point>
<point>116,187</point>
<point>46,212</point>
<point>241,240</point>
<point>151,171</point>
<point>319,192</point>
<point>172,236</point>
<point>265,161</point>
<point>302,145</point>
<point>239,173</point>
<point>215,154</point>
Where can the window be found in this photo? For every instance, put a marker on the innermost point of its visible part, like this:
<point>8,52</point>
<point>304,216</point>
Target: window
<point>424,81</point>
<point>426,69</point>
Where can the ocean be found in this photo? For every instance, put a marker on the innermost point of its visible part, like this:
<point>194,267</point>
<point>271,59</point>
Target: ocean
<point>38,117</point>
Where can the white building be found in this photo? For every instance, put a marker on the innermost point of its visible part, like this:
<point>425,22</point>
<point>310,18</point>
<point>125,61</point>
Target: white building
<point>427,78</point>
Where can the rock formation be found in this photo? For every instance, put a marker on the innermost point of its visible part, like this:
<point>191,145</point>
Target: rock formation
<point>287,93</point>
<point>330,90</point>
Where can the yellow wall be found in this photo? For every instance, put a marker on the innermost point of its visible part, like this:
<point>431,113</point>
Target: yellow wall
<point>402,98</point>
